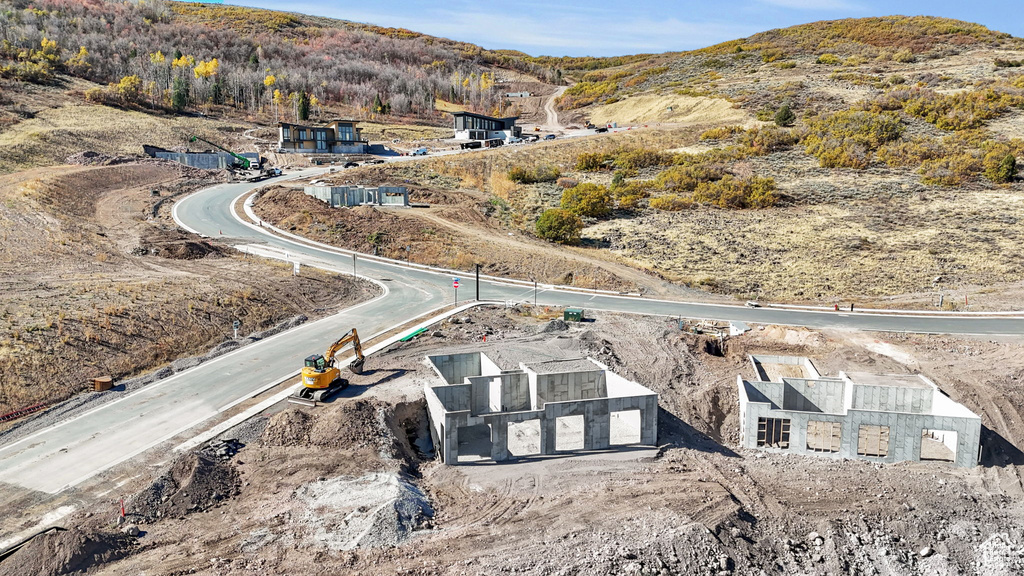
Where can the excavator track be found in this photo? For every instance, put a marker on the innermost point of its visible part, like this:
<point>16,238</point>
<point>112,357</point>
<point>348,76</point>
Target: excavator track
<point>310,397</point>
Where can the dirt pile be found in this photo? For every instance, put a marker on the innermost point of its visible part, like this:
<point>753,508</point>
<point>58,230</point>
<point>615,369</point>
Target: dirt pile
<point>363,424</point>
<point>193,483</point>
<point>370,511</point>
<point>66,552</point>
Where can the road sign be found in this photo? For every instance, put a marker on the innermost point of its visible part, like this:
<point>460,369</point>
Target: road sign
<point>235,325</point>
<point>455,282</point>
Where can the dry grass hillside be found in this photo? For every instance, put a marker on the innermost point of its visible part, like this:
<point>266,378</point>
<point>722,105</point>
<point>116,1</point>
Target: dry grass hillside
<point>95,285</point>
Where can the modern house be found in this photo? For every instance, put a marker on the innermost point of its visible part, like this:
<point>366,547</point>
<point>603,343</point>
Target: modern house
<point>337,137</point>
<point>790,407</point>
<point>481,411</point>
<point>470,126</point>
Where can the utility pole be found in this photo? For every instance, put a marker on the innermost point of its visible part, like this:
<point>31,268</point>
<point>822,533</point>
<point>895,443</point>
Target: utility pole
<point>353,265</point>
<point>477,282</point>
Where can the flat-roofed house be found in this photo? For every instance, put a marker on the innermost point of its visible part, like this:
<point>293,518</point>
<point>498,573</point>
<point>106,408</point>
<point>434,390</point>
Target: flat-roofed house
<point>336,137</point>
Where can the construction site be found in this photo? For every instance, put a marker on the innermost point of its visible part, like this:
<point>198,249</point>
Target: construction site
<point>506,440</point>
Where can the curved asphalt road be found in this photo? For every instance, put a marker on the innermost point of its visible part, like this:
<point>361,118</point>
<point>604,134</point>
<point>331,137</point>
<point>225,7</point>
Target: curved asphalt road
<point>75,450</point>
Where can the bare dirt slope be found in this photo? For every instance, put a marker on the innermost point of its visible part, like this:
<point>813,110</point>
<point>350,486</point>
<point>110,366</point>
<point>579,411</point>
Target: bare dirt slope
<point>349,487</point>
<point>97,284</point>
<point>456,231</point>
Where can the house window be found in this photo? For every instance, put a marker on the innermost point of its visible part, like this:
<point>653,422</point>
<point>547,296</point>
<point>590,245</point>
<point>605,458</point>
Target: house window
<point>302,134</point>
<point>873,441</point>
<point>824,436</point>
<point>321,139</point>
<point>286,133</point>
<point>346,133</point>
<point>773,433</point>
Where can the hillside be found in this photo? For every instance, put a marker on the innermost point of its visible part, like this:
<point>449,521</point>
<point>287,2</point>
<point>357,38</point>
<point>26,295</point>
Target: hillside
<point>184,55</point>
<point>845,44</point>
<point>869,160</point>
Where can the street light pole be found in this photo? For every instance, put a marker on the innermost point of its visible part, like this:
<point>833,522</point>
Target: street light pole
<point>477,282</point>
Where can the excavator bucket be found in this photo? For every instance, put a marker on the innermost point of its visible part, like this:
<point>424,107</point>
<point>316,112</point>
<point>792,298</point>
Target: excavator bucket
<point>357,366</point>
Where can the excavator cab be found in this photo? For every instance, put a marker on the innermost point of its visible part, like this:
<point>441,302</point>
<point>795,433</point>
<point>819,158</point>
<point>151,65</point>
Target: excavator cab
<point>316,362</point>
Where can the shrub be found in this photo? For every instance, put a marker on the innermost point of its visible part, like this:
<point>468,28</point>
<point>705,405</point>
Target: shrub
<point>771,55</point>
<point>672,203</point>
<point>828,59</point>
<point>952,170</point>
<point>585,93</point>
<point>849,138</point>
<point>721,133</point>
<point>592,161</point>
<point>785,65</point>
<point>732,192</point>
<point>999,165</point>
<point>641,158</point>
<point>960,111</point>
<point>904,56</point>
<point>559,226</point>
<point>588,199</point>
<point>768,139</point>
<point>784,116</point>
<point>542,173</point>
<point>1000,63</point>
<point>686,178</point>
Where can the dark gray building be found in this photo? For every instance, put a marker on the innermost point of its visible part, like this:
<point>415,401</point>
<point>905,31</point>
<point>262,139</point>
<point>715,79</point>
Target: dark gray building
<point>471,126</point>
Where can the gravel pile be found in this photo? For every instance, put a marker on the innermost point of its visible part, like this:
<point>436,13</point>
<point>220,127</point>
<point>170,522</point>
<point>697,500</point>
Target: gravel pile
<point>379,510</point>
<point>193,483</point>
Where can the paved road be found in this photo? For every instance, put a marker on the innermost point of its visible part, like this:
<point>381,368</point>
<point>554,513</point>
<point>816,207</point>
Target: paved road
<point>80,448</point>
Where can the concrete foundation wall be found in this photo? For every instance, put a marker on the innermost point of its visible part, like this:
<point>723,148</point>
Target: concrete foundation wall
<point>218,161</point>
<point>454,368</point>
<point>905,432</point>
<point>892,398</point>
<point>562,387</point>
<point>338,196</point>
<point>813,395</point>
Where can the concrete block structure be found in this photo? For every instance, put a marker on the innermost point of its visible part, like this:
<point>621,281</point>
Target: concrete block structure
<point>338,196</point>
<point>790,407</point>
<point>203,160</point>
<point>474,405</point>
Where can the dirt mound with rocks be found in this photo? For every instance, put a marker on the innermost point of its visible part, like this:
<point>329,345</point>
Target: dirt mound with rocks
<point>193,483</point>
<point>365,423</point>
<point>66,552</point>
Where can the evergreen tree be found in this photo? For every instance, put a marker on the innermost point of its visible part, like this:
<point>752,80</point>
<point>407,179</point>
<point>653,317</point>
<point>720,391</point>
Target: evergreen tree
<point>378,106</point>
<point>303,107</point>
<point>785,116</point>
<point>1007,169</point>
<point>179,95</point>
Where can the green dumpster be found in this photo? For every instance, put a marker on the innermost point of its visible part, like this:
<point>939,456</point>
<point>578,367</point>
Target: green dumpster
<point>573,315</point>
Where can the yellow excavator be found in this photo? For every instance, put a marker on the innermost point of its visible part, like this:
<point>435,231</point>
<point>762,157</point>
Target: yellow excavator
<point>320,378</point>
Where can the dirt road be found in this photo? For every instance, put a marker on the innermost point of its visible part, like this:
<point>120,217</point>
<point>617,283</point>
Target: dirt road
<point>552,124</point>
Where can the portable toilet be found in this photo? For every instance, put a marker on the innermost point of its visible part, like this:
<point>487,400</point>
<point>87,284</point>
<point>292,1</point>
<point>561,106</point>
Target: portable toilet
<point>573,315</point>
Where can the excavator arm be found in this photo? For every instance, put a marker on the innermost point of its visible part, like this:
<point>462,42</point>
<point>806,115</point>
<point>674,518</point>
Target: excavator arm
<point>242,160</point>
<point>352,337</point>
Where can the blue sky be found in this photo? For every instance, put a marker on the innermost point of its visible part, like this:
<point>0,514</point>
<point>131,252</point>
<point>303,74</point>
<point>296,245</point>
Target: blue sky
<point>610,27</point>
